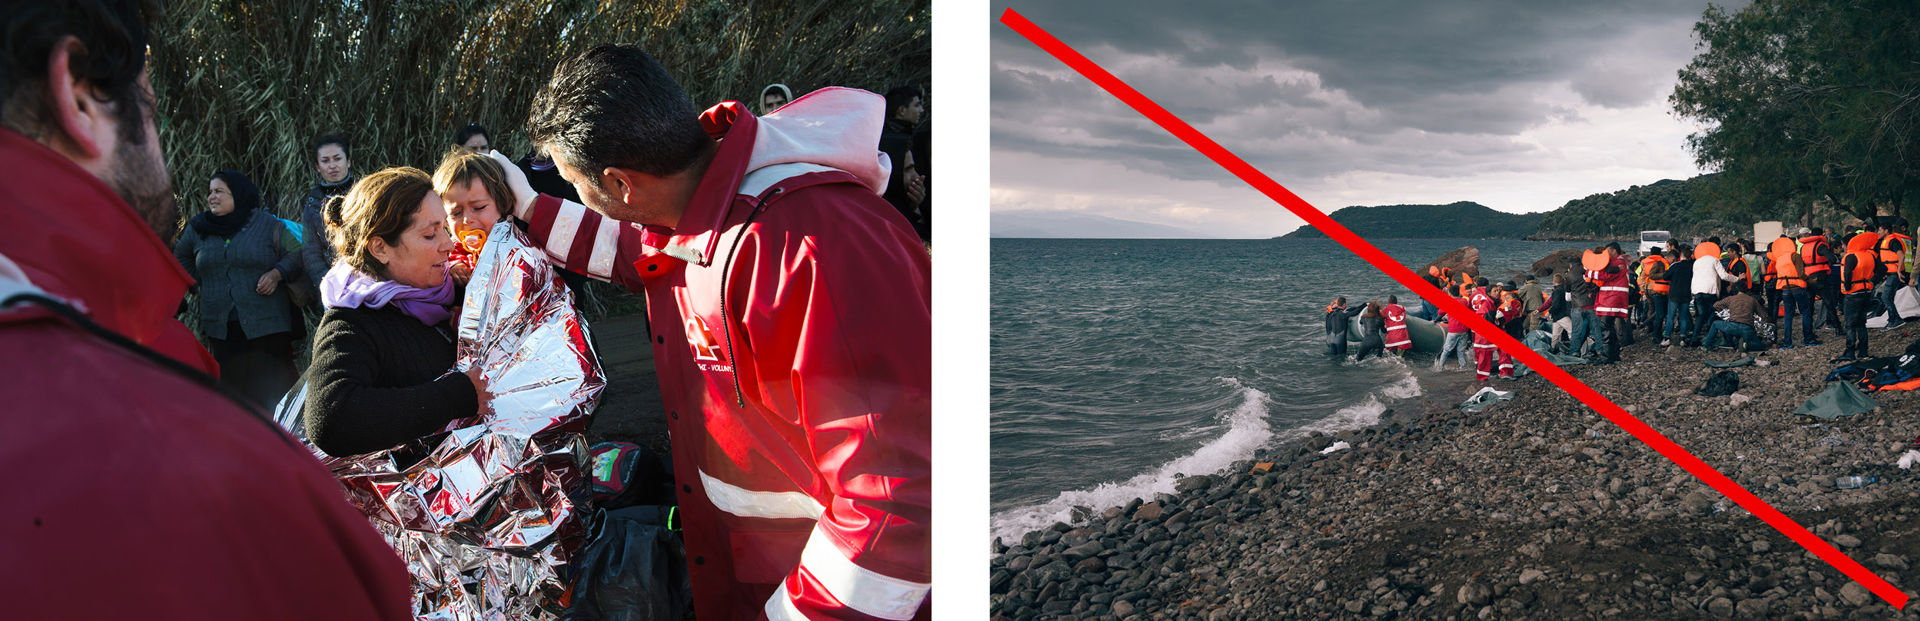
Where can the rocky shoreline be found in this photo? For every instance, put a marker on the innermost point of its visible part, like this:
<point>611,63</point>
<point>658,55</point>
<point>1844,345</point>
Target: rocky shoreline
<point>1536,508</point>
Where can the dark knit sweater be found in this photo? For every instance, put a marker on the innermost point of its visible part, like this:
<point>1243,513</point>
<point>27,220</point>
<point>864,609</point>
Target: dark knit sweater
<point>379,379</point>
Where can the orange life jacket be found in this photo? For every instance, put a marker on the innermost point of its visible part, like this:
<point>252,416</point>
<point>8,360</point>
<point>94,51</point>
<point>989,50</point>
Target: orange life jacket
<point>1706,249</point>
<point>1859,277</point>
<point>1786,273</point>
<point>1738,267</point>
<point>1593,263</point>
<point>1811,256</point>
<point>1654,284</point>
<point>1891,250</point>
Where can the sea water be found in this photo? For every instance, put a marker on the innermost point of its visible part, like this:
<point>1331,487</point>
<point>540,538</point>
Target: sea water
<point>1119,365</point>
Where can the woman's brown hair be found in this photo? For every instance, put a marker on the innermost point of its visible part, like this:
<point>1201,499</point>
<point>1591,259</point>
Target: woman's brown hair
<point>463,166</point>
<point>380,205</point>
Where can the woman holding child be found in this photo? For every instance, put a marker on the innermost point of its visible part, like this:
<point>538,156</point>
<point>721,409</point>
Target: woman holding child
<point>381,354</point>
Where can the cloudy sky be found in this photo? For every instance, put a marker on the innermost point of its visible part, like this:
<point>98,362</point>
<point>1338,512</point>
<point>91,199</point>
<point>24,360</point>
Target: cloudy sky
<point>1520,105</point>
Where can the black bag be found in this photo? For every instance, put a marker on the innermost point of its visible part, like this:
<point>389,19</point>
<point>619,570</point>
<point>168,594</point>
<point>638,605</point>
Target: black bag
<point>627,474</point>
<point>633,568</point>
<point>1720,385</point>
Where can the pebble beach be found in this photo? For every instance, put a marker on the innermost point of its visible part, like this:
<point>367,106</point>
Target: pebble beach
<point>1535,508</point>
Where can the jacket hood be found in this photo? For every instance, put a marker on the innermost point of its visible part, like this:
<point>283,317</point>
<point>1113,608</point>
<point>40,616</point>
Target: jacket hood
<point>838,127</point>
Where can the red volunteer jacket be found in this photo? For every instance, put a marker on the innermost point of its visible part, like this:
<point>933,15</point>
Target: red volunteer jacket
<point>791,317</point>
<point>1395,316</point>
<point>132,489</point>
<point>1611,301</point>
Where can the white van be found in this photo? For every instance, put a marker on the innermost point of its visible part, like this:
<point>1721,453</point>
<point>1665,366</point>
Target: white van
<point>1653,239</point>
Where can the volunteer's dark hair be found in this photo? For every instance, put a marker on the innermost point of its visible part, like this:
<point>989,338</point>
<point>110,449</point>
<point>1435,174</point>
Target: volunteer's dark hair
<point>1614,246</point>
<point>1393,299</point>
<point>899,96</point>
<point>332,139</point>
<point>246,195</point>
<point>113,39</point>
<point>615,106</point>
<point>462,135</point>
<point>1815,230</point>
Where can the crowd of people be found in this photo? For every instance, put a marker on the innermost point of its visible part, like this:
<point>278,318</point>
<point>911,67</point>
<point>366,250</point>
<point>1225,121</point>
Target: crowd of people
<point>789,298</point>
<point>1713,294</point>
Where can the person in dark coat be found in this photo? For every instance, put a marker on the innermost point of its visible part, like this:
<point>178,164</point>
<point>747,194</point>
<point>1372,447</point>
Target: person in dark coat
<point>336,177</point>
<point>380,356</point>
<point>1337,315</point>
<point>240,255</point>
<point>1373,342</point>
<point>1679,295</point>
<point>906,189</point>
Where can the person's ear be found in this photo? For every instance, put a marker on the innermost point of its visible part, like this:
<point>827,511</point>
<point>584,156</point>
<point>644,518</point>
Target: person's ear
<point>85,123</point>
<point>622,184</point>
<point>381,250</point>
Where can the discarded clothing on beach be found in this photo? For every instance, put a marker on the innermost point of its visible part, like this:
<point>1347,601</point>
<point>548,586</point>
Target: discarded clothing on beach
<point>1486,398</point>
<point>1840,399</point>
<point>1728,364</point>
<point>1720,385</point>
<point>1884,373</point>
<point>1542,343</point>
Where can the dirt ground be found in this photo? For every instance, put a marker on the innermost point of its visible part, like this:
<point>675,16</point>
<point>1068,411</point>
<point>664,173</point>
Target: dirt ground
<point>630,409</point>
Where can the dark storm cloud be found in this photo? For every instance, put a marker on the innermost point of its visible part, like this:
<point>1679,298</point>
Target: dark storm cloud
<point>1320,88</point>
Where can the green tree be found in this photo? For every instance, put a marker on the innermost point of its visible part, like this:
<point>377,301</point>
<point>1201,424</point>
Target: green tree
<point>247,84</point>
<point>1804,100</point>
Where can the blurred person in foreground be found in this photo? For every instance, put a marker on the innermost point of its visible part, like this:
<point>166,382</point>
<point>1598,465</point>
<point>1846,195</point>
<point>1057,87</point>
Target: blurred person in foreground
<point>790,313</point>
<point>134,485</point>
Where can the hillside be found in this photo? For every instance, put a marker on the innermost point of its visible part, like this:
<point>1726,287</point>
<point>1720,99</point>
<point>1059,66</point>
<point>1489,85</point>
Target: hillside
<point>1464,219</point>
<point>1666,204</point>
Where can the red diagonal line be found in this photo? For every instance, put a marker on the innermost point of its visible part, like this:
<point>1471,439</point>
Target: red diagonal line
<point>1454,309</point>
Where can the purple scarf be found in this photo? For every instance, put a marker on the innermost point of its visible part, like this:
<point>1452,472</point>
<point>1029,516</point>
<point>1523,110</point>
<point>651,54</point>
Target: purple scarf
<point>345,287</point>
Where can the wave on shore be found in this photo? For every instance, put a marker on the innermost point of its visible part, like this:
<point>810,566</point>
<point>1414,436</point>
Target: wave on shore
<point>1247,431</point>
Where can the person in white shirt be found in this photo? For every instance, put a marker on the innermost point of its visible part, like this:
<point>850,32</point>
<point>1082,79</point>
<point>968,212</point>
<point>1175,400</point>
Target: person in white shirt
<point>1707,276</point>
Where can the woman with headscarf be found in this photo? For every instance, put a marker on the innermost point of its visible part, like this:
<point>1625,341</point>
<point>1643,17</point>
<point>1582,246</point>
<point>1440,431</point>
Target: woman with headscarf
<point>239,255</point>
<point>381,354</point>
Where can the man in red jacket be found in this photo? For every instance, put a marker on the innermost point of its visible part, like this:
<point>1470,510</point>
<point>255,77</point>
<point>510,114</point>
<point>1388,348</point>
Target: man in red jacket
<point>1611,303</point>
<point>133,487</point>
<point>789,304</point>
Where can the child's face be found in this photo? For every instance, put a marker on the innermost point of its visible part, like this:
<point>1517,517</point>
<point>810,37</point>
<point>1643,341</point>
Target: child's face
<point>469,207</point>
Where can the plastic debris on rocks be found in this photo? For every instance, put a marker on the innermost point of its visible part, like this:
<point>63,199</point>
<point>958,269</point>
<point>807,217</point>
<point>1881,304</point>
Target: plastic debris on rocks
<point>487,512</point>
<point>1839,400</point>
<point>1486,398</point>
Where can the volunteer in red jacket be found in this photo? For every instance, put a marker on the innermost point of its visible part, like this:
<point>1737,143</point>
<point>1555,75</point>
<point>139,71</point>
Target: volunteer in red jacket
<point>790,312</point>
<point>1611,303</point>
<point>1484,350</point>
<point>1395,317</point>
<point>134,487</point>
